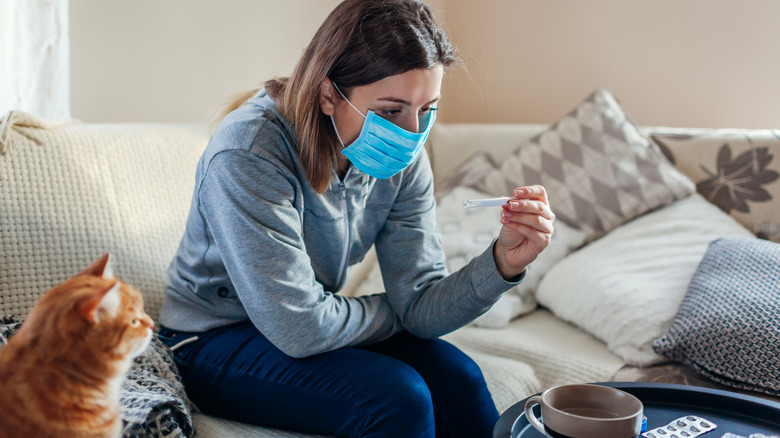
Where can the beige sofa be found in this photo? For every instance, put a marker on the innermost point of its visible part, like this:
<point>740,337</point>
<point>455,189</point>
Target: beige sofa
<point>70,192</point>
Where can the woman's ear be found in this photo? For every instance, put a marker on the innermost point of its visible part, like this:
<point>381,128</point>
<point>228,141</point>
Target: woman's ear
<point>327,97</point>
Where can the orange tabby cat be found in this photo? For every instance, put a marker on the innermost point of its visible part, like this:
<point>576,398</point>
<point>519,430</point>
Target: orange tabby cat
<point>60,373</point>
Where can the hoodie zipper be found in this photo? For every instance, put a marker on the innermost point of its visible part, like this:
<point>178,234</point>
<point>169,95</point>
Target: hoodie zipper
<point>345,250</point>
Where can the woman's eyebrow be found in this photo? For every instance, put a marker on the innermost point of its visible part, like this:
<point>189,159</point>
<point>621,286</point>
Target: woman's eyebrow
<point>406,102</point>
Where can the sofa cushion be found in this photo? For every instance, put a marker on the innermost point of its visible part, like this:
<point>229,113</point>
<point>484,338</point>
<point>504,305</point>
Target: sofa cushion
<point>466,232</point>
<point>71,193</point>
<point>555,352</point>
<point>598,168</point>
<point>728,325</point>
<point>625,288</point>
<point>736,169</point>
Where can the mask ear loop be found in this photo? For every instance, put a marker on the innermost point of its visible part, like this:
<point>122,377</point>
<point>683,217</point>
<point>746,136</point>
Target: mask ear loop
<point>334,121</point>
<point>337,132</point>
<point>365,184</point>
<point>345,98</point>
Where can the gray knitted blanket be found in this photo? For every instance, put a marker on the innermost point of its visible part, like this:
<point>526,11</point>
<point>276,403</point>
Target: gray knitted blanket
<point>152,398</point>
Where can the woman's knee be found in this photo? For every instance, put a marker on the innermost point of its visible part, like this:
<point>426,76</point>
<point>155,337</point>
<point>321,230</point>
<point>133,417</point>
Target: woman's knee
<point>408,388</point>
<point>402,403</point>
<point>466,372</point>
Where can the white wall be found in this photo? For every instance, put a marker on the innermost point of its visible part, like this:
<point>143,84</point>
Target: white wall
<point>180,60</point>
<point>703,63</point>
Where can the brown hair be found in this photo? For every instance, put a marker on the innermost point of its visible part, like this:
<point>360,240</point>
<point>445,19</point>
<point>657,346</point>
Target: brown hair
<point>361,42</point>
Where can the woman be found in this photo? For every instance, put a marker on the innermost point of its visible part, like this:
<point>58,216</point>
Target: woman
<point>295,186</point>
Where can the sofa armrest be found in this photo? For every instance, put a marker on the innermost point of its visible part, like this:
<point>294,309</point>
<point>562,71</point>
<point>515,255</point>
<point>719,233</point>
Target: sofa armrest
<point>71,193</point>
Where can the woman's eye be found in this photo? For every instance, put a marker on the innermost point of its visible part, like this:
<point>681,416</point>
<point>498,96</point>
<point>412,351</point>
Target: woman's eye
<point>426,110</point>
<point>390,113</point>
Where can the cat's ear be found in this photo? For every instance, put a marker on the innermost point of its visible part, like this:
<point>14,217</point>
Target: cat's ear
<point>101,304</point>
<point>101,268</point>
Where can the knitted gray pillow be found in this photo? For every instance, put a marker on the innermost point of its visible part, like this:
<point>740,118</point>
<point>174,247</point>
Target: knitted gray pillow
<point>728,324</point>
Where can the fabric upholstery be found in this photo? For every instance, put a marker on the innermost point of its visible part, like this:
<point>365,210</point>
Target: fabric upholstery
<point>598,168</point>
<point>70,193</point>
<point>736,169</point>
<point>625,287</point>
<point>728,325</point>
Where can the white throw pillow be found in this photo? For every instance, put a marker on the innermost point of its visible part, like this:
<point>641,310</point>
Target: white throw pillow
<point>466,233</point>
<point>625,288</point>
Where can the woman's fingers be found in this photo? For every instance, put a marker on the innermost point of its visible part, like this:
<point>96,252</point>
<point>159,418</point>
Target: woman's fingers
<point>533,237</point>
<point>532,220</point>
<point>532,192</point>
<point>530,207</point>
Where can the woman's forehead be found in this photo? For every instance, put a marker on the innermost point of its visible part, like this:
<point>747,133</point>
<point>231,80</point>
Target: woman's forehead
<point>413,87</point>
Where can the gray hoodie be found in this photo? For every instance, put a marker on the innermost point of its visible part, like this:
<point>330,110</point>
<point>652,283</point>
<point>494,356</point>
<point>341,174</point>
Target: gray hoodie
<point>261,244</point>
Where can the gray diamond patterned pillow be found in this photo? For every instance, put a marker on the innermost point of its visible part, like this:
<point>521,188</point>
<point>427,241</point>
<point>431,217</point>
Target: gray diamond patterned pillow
<point>598,169</point>
<point>728,324</point>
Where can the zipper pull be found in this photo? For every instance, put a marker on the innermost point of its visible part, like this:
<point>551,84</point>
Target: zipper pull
<point>342,190</point>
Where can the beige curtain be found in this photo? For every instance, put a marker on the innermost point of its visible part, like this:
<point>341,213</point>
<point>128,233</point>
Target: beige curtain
<point>34,58</point>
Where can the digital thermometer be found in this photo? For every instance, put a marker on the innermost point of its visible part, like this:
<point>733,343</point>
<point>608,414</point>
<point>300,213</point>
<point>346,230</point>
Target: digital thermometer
<point>488,202</point>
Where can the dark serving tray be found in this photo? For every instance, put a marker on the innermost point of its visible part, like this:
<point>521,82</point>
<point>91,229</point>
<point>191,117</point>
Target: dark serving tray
<point>732,412</point>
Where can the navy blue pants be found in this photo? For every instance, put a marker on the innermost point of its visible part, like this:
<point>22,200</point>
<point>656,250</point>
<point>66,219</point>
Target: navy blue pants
<point>402,387</point>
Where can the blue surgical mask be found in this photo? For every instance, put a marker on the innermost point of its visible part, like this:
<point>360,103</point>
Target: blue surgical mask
<point>383,149</point>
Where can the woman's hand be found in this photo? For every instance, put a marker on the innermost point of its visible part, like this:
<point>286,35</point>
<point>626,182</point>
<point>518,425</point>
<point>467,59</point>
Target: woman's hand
<point>528,227</point>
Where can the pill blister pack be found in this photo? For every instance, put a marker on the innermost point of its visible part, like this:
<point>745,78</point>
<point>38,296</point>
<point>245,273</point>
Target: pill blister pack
<point>688,426</point>
<point>755,435</point>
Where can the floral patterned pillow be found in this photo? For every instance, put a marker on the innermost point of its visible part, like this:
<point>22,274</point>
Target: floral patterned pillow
<point>736,169</point>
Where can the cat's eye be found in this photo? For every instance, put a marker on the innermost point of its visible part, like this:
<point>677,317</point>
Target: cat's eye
<point>135,322</point>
